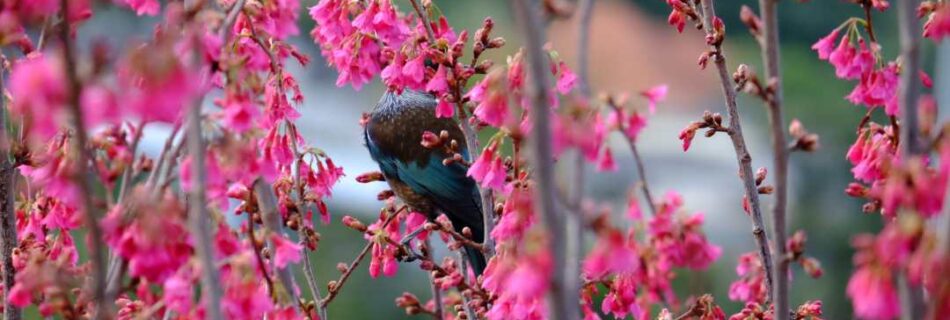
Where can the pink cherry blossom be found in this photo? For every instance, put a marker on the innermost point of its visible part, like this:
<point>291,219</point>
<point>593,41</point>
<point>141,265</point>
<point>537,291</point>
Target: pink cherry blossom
<point>622,299</point>
<point>826,45</point>
<point>565,79</point>
<point>444,109</point>
<point>655,95</point>
<point>606,161</point>
<point>438,84</point>
<point>143,7</point>
<point>285,251</point>
<point>612,254</point>
<point>239,114</point>
<point>489,170</point>
<point>494,109</point>
<point>873,294</point>
<point>937,25</point>
<point>517,215</point>
<point>750,287</point>
<point>414,72</point>
<point>37,86</point>
<point>677,19</point>
<point>178,292</point>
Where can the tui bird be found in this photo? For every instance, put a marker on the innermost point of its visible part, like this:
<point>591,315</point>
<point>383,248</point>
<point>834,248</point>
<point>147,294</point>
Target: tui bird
<point>416,173</point>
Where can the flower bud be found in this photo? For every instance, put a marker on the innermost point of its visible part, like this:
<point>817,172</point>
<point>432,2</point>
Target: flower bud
<point>760,175</point>
<point>385,194</point>
<point>370,177</point>
<point>354,224</point>
<point>430,140</point>
<point>812,267</point>
<point>750,19</point>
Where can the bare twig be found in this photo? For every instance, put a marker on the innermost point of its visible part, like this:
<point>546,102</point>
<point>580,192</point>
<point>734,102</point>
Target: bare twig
<point>97,251</point>
<point>738,142</point>
<point>912,301</point>
<point>8,230</point>
<point>768,10</point>
<point>198,219</point>
<point>563,301</point>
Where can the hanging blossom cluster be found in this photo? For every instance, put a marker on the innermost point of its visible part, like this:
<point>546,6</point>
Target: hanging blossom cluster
<point>907,189</point>
<point>236,50</point>
<point>637,267</point>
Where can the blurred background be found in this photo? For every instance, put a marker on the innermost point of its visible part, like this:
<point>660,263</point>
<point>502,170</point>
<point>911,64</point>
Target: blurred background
<point>632,48</point>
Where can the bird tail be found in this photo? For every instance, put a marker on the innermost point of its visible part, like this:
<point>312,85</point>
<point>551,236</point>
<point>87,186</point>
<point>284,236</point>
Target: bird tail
<point>476,259</point>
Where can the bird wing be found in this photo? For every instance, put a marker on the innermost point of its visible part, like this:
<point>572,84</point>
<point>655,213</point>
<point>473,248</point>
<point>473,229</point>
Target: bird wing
<point>447,186</point>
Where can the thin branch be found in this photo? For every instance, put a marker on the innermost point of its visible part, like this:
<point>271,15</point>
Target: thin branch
<point>198,219</point>
<point>338,284</point>
<point>465,301</point>
<point>738,141</point>
<point>563,301</point>
<point>229,20</point>
<point>436,291</point>
<point>768,10</point>
<point>267,203</point>
<point>912,301</point>
<point>869,24</point>
<point>8,230</point>
<point>258,257</point>
<point>425,20</point>
<point>127,173</point>
<point>311,278</point>
<point>97,251</point>
<point>585,12</point>
<point>642,173</point>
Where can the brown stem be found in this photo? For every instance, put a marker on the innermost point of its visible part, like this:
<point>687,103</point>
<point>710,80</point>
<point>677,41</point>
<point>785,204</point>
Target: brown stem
<point>869,26</point>
<point>642,172</point>
<point>425,20</point>
<point>271,289</point>
<point>8,230</point>
<point>91,217</point>
<point>738,143</point>
<point>311,278</point>
<point>912,301</point>
<point>768,10</point>
<point>223,31</point>
<point>563,301</point>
